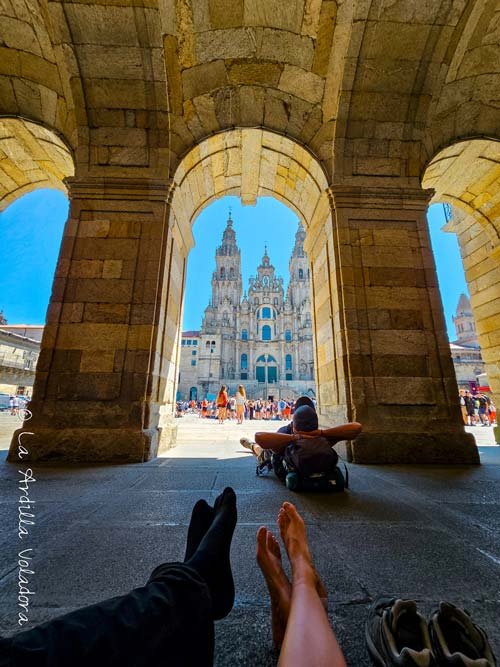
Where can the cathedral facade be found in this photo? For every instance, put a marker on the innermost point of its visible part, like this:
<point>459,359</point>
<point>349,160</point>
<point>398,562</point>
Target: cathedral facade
<point>262,339</point>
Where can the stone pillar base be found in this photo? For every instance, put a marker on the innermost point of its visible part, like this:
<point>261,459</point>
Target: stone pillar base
<point>168,434</point>
<point>408,448</point>
<point>85,445</point>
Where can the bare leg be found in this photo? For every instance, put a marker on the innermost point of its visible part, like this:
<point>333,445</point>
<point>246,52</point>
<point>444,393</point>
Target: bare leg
<point>309,639</point>
<point>278,584</point>
<point>280,589</point>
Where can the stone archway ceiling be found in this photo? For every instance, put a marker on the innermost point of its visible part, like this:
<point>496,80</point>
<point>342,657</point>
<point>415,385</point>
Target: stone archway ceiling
<point>374,88</point>
<point>249,163</point>
<point>30,157</point>
<point>467,175</point>
<point>466,95</point>
<point>247,63</point>
<point>33,79</point>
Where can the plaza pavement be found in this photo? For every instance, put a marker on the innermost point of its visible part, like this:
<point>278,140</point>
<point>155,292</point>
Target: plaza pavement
<point>426,532</point>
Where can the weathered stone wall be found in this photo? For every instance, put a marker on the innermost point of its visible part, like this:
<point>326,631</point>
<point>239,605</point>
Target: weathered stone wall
<point>96,352</point>
<point>199,96</point>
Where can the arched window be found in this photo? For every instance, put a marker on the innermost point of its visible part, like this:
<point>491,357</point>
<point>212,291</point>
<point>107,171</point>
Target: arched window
<point>244,362</point>
<point>288,362</point>
<point>288,336</point>
<point>244,334</point>
<point>222,272</point>
<point>231,272</point>
<point>262,359</point>
<point>256,301</point>
<point>266,332</point>
<point>266,313</point>
<point>276,301</point>
<point>301,274</point>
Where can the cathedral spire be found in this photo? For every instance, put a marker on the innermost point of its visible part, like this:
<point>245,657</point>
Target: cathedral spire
<point>228,245</point>
<point>265,257</point>
<point>298,248</point>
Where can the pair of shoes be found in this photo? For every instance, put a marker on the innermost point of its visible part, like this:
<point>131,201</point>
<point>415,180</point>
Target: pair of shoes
<point>398,636</point>
<point>248,444</point>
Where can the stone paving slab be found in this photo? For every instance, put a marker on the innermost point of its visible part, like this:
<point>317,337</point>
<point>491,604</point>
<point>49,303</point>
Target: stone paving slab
<point>429,532</point>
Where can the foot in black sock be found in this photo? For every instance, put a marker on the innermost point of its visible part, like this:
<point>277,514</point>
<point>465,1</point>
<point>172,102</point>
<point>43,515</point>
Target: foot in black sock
<point>211,559</point>
<point>201,519</point>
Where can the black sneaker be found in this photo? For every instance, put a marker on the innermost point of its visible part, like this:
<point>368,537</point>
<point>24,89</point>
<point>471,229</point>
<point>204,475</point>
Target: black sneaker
<point>397,635</point>
<point>457,641</point>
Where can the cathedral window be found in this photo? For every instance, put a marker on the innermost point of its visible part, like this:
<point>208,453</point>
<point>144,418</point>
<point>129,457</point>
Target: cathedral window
<point>222,272</point>
<point>231,273</point>
<point>266,332</point>
<point>288,336</point>
<point>266,313</point>
<point>244,334</point>
<point>244,362</point>
<point>301,274</point>
<point>276,301</point>
<point>288,362</point>
<point>256,301</point>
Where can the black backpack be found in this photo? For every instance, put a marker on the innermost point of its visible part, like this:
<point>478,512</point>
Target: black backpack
<point>310,464</point>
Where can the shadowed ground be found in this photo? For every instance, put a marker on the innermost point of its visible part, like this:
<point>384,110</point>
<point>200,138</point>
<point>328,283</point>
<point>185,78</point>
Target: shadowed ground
<point>430,533</point>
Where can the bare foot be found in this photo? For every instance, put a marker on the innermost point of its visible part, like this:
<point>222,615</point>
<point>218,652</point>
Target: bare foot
<point>280,589</point>
<point>294,535</point>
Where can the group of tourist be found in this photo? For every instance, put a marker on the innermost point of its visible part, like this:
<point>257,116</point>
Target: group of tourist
<point>477,409</point>
<point>238,407</point>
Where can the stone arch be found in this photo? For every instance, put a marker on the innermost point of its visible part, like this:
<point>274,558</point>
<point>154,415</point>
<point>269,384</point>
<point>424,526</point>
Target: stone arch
<point>31,156</point>
<point>467,90</point>
<point>467,176</point>
<point>251,163</point>
<point>34,78</point>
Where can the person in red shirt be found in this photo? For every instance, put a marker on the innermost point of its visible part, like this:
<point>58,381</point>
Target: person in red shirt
<point>222,400</point>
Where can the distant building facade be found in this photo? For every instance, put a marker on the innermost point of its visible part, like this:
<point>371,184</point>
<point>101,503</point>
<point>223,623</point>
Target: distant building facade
<point>262,339</point>
<point>465,350</point>
<point>19,351</point>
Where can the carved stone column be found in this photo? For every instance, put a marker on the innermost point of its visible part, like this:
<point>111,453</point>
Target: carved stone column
<point>107,361</point>
<point>389,347</point>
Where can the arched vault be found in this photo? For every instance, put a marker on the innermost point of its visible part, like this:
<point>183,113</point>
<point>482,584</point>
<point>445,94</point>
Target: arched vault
<point>31,156</point>
<point>249,163</point>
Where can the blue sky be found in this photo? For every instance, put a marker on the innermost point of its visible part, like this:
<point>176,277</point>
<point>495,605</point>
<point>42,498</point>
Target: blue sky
<point>31,229</point>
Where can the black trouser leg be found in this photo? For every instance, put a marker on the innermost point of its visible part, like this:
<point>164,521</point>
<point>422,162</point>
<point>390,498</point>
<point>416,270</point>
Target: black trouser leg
<point>167,622</point>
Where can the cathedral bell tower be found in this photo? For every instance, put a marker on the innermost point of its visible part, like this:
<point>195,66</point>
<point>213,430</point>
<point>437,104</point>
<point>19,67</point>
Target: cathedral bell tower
<point>226,279</point>
<point>299,287</point>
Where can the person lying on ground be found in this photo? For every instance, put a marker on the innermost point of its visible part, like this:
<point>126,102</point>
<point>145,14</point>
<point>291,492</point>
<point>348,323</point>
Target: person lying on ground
<point>300,627</point>
<point>304,425</point>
